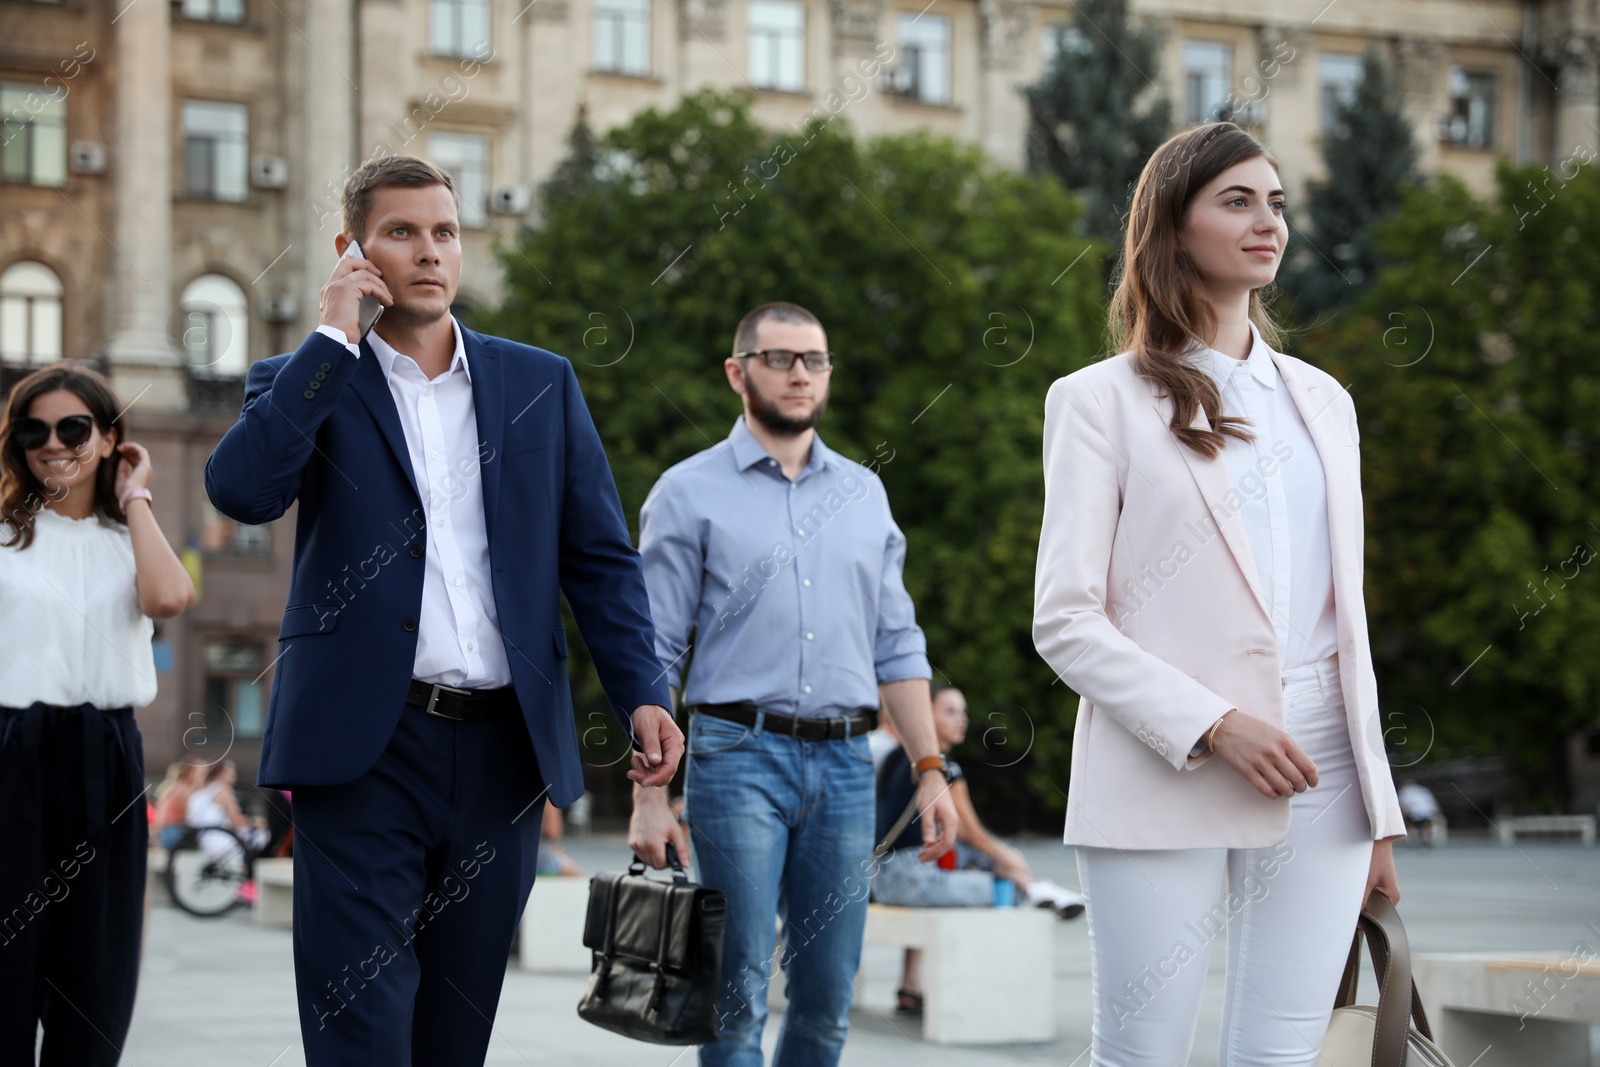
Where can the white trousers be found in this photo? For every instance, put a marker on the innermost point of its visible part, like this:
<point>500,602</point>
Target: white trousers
<point>1289,912</point>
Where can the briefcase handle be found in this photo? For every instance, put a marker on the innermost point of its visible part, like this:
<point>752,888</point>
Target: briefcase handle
<point>679,875</point>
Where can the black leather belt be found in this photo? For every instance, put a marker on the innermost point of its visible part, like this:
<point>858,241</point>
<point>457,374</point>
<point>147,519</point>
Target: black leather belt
<point>464,705</point>
<point>802,728</point>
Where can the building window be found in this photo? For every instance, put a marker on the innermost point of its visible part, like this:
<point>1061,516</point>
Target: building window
<point>35,134</point>
<point>622,36</point>
<point>1340,77</point>
<point>465,157</point>
<point>30,314</point>
<point>215,150</point>
<point>1207,75</point>
<point>214,328</point>
<point>221,536</point>
<point>235,704</point>
<point>1471,121</point>
<point>924,70</point>
<point>458,27</point>
<point>778,44</point>
<point>213,10</point>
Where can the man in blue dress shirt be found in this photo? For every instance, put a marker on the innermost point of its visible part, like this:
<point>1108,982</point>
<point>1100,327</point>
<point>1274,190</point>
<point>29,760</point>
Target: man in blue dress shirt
<point>782,558</point>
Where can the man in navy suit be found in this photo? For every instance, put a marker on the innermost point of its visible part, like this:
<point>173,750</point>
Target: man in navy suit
<point>451,488</point>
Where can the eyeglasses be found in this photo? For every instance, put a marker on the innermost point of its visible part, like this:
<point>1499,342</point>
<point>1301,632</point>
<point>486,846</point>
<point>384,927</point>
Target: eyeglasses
<point>72,431</point>
<point>783,359</point>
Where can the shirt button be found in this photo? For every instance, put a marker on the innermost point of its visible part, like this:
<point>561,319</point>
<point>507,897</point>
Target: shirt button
<point>806,582</point>
<point>805,689</point>
<point>799,532</point>
<point>455,581</point>
<point>433,455</point>
<point>772,463</point>
<point>469,646</point>
<point>810,636</point>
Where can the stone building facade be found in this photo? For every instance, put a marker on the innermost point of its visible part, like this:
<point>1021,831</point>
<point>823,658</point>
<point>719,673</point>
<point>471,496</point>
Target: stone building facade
<point>171,170</point>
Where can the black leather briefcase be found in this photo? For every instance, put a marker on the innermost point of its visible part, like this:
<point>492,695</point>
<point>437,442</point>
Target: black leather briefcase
<point>657,956</point>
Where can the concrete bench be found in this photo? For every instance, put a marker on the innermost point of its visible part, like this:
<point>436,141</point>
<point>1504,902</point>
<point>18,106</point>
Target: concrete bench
<point>988,974</point>
<point>1509,828</point>
<point>550,939</point>
<point>275,892</point>
<point>155,876</point>
<point>1500,1010</point>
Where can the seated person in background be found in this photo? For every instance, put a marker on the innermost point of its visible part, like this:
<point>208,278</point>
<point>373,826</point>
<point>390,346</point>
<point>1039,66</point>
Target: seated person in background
<point>1421,809</point>
<point>901,879</point>
<point>553,859</point>
<point>172,801</point>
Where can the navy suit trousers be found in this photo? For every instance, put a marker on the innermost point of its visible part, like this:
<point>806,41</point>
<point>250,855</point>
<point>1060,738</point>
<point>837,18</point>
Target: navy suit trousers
<point>409,884</point>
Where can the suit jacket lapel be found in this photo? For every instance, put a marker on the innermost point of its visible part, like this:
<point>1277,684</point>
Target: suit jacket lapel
<point>373,389</point>
<point>1216,486</point>
<point>489,403</point>
<point>1334,449</point>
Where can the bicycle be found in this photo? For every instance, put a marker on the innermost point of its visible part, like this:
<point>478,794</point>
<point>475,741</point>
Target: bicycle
<point>205,882</point>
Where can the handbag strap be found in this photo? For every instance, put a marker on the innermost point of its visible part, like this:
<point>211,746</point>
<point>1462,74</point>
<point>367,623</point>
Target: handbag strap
<point>1391,958</point>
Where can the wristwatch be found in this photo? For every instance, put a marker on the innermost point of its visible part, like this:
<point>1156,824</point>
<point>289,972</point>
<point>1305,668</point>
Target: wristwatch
<point>130,495</point>
<point>930,763</point>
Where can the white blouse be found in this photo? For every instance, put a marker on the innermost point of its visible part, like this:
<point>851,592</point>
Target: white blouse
<point>1279,478</point>
<point>71,631</point>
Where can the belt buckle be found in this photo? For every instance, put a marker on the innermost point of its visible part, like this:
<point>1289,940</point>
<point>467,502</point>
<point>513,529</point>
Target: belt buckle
<point>433,699</point>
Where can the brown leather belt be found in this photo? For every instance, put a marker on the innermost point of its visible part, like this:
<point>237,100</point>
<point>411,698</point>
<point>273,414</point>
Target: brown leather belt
<point>800,727</point>
<point>464,705</point>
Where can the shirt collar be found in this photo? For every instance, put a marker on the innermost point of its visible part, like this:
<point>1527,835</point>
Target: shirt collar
<point>1258,364</point>
<point>387,353</point>
<point>747,451</point>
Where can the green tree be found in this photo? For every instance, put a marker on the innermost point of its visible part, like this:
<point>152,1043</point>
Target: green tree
<point>944,284</point>
<point>1370,160</point>
<point>1472,367</point>
<point>1093,117</point>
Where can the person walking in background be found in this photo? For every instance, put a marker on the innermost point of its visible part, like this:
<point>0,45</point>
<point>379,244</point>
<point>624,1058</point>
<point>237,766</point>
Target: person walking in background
<point>783,560</point>
<point>451,488</point>
<point>84,569</point>
<point>1199,585</point>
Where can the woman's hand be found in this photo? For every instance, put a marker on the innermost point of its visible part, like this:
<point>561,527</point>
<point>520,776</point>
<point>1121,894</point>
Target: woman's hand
<point>1381,875</point>
<point>1266,756</point>
<point>133,468</point>
<point>1011,863</point>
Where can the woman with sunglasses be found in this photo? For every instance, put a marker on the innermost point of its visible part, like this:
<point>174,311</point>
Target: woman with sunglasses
<point>84,568</point>
<point>1199,586</point>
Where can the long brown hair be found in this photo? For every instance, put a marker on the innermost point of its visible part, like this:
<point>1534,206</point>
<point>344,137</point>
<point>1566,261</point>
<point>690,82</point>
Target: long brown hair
<point>21,494</point>
<point>1158,311</point>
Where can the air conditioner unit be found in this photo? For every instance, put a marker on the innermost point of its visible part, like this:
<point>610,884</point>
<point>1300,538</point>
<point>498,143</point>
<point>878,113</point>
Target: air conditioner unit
<point>510,200</point>
<point>269,172</point>
<point>87,157</point>
<point>280,307</point>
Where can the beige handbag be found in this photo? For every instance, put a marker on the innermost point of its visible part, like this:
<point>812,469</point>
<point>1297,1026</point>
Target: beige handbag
<point>1388,1035</point>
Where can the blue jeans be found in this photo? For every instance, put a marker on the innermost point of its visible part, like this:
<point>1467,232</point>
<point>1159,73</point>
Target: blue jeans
<point>784,829</point>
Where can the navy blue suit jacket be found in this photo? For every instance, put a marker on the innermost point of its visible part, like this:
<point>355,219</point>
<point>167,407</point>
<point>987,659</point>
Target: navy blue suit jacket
<point>320,426</point>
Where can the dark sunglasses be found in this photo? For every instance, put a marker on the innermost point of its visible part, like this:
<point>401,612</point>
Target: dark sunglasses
<point>72,431</point>
<point>783,359</point>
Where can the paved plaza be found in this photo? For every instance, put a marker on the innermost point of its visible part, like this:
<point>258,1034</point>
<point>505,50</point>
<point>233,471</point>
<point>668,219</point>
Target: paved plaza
<point>221,991</point>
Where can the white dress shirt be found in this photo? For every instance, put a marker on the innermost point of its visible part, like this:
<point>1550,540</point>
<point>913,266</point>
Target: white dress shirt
<point>72,629</point>
<point>1279,479</point>
<point>458,631</point>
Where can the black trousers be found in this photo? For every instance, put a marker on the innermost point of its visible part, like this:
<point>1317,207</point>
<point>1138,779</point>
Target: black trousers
<point>73,843</point>
<point>409,884</point>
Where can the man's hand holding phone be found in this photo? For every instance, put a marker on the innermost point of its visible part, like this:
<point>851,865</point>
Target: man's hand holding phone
<point>354,281</point>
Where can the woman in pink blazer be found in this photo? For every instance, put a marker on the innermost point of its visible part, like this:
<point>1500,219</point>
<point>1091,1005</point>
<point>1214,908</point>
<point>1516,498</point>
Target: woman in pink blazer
<point>1199,585</point>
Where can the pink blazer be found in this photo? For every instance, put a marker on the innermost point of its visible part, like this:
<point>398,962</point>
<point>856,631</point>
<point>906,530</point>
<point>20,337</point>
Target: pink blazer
<point>1147,604</point>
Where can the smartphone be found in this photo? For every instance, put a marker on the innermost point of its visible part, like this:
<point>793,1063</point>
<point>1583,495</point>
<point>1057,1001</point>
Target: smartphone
<point>371,310</point>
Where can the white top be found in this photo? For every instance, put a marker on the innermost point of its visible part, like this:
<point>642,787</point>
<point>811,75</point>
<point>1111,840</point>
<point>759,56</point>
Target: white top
<point>458,632</point>
<point>1279,478</point>
<point>72,631</point>
<point>203,808</point>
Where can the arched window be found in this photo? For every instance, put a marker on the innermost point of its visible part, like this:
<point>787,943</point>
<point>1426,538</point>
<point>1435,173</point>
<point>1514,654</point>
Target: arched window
<point>213,328</point>
<point>30,314</point>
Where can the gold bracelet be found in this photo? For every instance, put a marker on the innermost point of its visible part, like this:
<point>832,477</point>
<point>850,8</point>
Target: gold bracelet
<point>1211,734</point>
